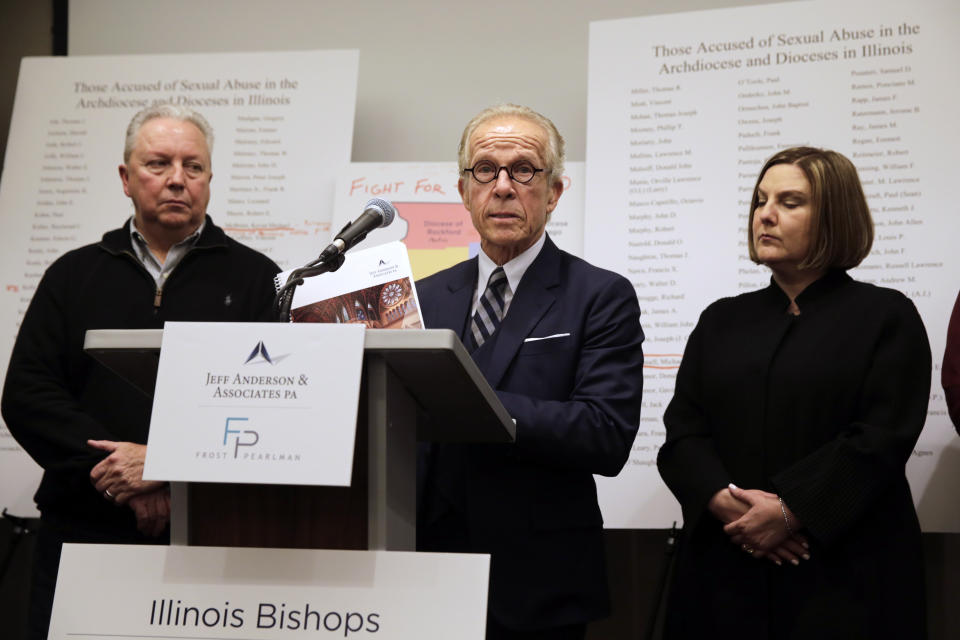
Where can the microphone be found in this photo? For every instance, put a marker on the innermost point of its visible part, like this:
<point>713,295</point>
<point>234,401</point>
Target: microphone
<point>376,213</point>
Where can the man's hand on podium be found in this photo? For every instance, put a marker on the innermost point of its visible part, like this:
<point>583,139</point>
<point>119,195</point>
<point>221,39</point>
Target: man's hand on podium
<point>119,476</point>
<point>152,510</point>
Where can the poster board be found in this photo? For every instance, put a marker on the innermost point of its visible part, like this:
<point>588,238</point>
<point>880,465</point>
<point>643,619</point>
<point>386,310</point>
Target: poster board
<point>683,110</point>
<point>283,127</point>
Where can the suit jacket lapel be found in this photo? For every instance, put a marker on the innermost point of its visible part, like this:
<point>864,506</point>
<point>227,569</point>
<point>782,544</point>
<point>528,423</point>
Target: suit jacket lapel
<point>453,311</point>
<point>535,295</point>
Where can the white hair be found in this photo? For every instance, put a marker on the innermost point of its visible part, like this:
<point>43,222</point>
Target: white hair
<point>184,114</point>
<point>555,145</point>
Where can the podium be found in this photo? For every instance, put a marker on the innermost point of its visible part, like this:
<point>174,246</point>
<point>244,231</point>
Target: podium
<point>417,386</point>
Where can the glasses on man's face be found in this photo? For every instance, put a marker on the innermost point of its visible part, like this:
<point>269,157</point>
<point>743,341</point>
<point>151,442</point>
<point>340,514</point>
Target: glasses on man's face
<point>486,171</point>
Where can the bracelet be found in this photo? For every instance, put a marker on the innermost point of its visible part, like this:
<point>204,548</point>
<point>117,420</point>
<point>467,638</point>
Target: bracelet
<point>786,520</point>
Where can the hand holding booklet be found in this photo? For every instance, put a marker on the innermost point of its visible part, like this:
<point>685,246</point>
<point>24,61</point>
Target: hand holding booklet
<point>374,287</point>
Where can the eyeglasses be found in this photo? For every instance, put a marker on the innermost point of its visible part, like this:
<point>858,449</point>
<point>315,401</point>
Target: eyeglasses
<point>486,172</point>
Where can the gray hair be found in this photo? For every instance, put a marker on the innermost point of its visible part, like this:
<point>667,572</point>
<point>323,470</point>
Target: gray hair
<point>555,146</point>
<point>184,114</point>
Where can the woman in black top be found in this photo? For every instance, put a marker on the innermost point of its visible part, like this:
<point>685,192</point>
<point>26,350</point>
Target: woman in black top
<point>795,411</point>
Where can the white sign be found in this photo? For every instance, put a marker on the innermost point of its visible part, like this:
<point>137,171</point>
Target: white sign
<point>265,403</point>
<point>254,594</point>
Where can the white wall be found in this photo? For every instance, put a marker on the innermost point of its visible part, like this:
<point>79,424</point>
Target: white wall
<point>426,67</point>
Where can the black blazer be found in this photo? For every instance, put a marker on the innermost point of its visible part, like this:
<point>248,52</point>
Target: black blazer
<point>824,410</point>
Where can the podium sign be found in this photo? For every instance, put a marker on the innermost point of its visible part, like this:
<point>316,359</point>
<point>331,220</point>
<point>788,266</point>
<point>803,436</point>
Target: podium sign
<point>139,591</point>
<point>265,403</point>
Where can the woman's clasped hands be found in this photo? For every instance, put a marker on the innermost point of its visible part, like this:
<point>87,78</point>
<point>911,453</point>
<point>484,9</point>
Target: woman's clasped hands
<point>760,524</point>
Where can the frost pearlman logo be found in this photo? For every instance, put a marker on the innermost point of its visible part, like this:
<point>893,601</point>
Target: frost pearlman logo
<point>242,437</point>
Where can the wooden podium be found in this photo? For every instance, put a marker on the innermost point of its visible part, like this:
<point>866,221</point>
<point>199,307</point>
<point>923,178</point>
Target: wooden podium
<point>417,386</point>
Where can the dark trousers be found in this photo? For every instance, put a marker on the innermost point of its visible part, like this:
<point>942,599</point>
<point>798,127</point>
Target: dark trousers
<point>496,631</point>
<point>46,561</point>
<point>444,530</point>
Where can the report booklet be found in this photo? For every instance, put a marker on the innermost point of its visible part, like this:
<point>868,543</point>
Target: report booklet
<point>374,287</point>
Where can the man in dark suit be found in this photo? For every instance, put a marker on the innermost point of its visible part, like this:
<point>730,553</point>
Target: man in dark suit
<point>560,341</point>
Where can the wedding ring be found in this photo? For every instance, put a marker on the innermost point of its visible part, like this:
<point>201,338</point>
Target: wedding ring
<point>747,549</point>
<point>107,493</point>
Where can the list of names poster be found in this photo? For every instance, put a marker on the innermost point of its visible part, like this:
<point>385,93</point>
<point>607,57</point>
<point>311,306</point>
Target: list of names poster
<point>683,111</point>
<point>283,128</point>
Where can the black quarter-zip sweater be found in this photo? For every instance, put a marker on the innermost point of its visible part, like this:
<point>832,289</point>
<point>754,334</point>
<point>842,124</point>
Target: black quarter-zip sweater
<point>56,397</point>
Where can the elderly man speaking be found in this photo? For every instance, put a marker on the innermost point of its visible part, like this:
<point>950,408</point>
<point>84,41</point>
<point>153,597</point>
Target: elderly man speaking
<point>84,425</point>
<point>560,342</point>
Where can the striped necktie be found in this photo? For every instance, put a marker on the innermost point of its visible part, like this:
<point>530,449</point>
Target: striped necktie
<point>490,310</point>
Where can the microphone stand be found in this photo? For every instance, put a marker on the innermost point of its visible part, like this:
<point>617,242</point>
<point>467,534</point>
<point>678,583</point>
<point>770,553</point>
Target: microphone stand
<point>323,264</point>
<point>284,299</point>
<point>655,622</point>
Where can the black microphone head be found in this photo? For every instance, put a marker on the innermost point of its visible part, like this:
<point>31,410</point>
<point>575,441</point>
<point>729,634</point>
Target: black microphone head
<point>386,210</point>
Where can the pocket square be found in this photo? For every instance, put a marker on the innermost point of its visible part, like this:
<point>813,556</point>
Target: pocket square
<point>556,335</point>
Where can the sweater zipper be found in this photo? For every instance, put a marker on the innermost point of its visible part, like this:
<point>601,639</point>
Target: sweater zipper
<point>158,294</point>
<point>158,290</point>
